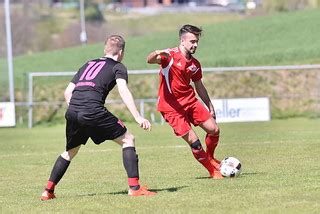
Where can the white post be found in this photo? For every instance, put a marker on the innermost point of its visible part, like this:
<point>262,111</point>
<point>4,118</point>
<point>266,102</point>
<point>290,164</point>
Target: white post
<point>83,34</point>
<point>142,107</point>
<point>9,50</point>
<point>30,101</point>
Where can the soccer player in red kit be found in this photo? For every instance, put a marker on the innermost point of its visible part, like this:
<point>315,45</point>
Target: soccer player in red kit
<point>177,100</point>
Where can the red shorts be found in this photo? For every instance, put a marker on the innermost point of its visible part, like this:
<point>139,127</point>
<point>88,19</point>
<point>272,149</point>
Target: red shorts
<point>181,120</point>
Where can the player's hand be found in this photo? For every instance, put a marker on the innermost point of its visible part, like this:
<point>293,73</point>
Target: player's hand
<point>144,123</point>
<point>165,53</point>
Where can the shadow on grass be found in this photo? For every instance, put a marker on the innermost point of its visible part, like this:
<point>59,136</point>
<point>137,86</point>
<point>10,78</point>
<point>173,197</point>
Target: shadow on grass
<point>198,178</point>
<point>125,192</point>
<point>170,189</point>
<point>245,174</point>
<point>252,173</point>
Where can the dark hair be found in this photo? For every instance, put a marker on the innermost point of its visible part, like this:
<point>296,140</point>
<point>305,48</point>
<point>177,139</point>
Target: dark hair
<point>190,29</point>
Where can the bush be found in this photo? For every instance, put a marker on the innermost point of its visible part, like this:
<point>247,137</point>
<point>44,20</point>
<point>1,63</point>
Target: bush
<point>93,13</point>
<point>289,5</point>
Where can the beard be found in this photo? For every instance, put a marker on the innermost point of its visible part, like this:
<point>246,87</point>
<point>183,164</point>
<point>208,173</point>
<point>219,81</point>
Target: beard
<point>192,50</point>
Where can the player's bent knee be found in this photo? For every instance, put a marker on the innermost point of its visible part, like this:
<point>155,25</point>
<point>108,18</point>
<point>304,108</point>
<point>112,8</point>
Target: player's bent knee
<point>128,141</point>
<point>65,155</point>
<point>69,155</point>
<point>215,131</point>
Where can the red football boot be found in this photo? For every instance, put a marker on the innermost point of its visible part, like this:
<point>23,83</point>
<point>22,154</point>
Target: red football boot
<point>143,191</point>
<point>47,196</point>
<point>215,163</point>
<point>216,175</point>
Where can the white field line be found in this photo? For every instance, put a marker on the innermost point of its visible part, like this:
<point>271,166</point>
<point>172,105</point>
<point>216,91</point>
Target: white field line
<point>83,150</point>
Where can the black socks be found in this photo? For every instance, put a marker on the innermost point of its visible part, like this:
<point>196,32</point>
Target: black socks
<point>130,162</point>
<point>60,167</point>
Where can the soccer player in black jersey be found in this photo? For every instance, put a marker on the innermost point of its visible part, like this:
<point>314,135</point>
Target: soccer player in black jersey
<point>86,116</point>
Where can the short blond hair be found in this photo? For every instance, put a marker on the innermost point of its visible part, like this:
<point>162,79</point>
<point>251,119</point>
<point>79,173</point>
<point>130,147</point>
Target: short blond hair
<point>114,44</point>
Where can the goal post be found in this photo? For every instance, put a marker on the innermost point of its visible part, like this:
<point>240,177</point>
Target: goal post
<point>288,87</point>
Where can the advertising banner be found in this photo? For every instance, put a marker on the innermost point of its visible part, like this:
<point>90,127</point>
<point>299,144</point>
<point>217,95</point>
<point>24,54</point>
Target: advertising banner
<point>7,114</point>
<point>242,109</point>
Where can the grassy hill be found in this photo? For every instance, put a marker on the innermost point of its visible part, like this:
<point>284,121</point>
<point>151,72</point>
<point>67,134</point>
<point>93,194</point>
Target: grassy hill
<point>286,38</point>
<point>279,39</point>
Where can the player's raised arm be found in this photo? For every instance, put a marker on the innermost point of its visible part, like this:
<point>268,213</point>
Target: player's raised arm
<point>129,102</point>
<point>155,56</point>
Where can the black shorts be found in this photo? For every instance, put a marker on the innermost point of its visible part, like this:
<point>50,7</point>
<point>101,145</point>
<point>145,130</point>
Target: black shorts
<point>79,128</point>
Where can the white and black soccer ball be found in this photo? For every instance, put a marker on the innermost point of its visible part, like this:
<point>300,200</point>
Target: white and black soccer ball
<point>230,167</point>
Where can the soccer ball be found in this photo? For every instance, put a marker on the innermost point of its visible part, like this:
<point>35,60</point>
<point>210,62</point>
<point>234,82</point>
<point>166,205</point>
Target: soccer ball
<point>230,167</point>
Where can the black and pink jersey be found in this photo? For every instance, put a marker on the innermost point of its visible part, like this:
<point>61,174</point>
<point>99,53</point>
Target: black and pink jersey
<point>93,82</point>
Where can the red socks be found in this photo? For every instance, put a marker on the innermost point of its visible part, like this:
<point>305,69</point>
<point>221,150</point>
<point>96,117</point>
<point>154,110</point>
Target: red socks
<point>211,143</point>
<point>201,156</point>
<point>133,181</point>
<point>50,186</point>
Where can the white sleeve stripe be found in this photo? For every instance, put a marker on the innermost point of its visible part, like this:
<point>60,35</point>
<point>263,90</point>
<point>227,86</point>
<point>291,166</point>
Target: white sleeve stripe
<point>165,72</point>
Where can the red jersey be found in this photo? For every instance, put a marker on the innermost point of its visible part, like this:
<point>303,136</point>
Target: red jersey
<point>175,91</point>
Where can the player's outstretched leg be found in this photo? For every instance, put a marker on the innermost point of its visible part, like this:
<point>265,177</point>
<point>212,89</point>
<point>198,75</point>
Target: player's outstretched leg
<point>201,156</point>
<point>211,144</point>
<point>60,167</point>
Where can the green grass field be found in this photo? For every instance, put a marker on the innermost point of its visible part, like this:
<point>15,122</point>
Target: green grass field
<point>280,172</point>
